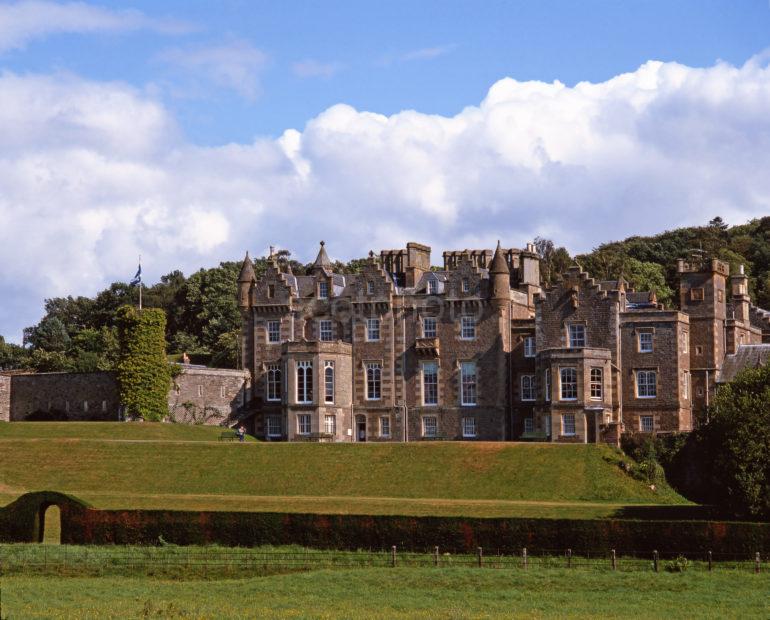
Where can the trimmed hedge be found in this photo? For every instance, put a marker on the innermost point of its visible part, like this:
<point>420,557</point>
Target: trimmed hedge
<point>84,525</point>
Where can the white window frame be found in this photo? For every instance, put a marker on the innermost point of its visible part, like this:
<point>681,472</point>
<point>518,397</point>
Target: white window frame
<point>430,389</point>
<point>304,424</point>
<point>273,332</point>
<point>563,383</point>
<point>369,287</point>
<point>468,384</point>
<point>466,285</point>
<point>529,346</point>
<point>642,423</point>
<point>429,426</point>
<point>529,425</point>
<point>432,286</point>
<point>271,426</point>
<point>325,330</point>
<point>330,424</point>
<point>596,383</point>
<point>384,426</point>
<point>273,383</point>
<point>644,387</point>
<point>576,333</point>
<point>373,330</point>
<point>468,328</point>
<point>323,290</point>
<point>547,385</point>
<point>568,420</point>
<point>305,386</point>
<point>426,322</point>
<point>469,427</point>
<point>328,382</point>
<point>645,342</point>
<point>527,383</point>
<point>373,380</point>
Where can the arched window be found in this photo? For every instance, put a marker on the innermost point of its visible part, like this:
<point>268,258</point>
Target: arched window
<point>329,382</point>
<point>305,382</point>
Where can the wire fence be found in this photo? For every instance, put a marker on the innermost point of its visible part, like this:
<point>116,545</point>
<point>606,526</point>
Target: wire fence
<point>217,562</point>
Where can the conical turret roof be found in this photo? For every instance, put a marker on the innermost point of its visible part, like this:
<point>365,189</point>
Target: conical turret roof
<point>499,264</point>
<point>247,270</point>
<point>322,260</point>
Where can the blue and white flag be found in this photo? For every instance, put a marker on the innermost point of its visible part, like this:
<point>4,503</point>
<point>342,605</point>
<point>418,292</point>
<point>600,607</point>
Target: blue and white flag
<point>138,277</point>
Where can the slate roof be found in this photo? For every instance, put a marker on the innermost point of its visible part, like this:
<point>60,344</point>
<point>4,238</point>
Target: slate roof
<point>747,356</point>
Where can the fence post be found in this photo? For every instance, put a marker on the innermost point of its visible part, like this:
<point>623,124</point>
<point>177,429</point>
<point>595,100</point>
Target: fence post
<point>614,560</point>
<point>655,560</point>
<point>757,561</point>
<point>393,556</point>
<point>435,556</point>
<point>480,554</point>
<point>569,558</point>
<point>710,560</point>
<point>524,557</point>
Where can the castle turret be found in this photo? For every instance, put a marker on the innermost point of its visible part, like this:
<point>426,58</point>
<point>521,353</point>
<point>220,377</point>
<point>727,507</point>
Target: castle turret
<point>739,283</point>
<point>500,276</point>
<point>322,262</point>
<point>246,280</point>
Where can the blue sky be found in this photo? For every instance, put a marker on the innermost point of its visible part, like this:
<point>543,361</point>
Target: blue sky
<point>189,132</point>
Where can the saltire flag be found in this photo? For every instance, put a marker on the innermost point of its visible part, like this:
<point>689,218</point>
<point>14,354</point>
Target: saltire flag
<point>138,277</point>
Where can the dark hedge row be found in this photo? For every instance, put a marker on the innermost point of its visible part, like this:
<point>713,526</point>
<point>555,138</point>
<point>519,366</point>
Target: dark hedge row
<point>83,525</point>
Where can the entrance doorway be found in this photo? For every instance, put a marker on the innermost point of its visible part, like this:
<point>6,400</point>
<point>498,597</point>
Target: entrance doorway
<point>591,426</point>
<point>50,525</point>
<point>360,428</point>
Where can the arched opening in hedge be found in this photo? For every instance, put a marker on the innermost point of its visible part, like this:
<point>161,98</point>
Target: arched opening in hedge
<point>48,524</point>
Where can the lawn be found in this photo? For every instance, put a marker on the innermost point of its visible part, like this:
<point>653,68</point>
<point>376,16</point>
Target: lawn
<point>185,467</point>
<point>397,593</point>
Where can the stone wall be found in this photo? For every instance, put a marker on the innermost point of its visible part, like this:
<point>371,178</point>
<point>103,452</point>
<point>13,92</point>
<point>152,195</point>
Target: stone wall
<point>208,395</point>
<point>5,398</point>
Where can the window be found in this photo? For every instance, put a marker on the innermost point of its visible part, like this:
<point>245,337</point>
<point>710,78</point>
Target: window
<point>466,285</point>
<point>696,294</point>
<point>529,425</point>
<point>429,426</point>
<point>430,383</point>
<point>645,423</point>
<point>330,424</point>
<point>646,384</point>
<point>577,336</point>
<point>385,426</point>
<point>568,383</point>
<point>104,405</point>
<point>273,426</point>
<point>548,385</point>
<point>596,383</point>
<point>468,383</point>
<point>372,330</point>
<point>469,427</point>
<point>370,288</point>
<point>428,327</point>
<point>568,424</point>
<point>274,382</point>
<point>467,328</point>
<point>528,387</point>
<point>323,290</point>
<point>303,424</point>
<point>85,405</point>
<point>432,287</point>
<point>529,346</point>
<point>373,380</point>
<point>645,342</point>
<point>325,330</point>
<point>305,382</point>
<point>270,291</point>
<point>720,295</point>
<point>547,422</point>
<point>274,331</point>
<point>685,385</point>
<point>685,341</point>
<point>328,382</point>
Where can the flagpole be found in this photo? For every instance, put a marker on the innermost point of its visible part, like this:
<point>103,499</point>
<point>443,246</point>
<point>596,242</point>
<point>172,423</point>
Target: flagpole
<point>140,282</point>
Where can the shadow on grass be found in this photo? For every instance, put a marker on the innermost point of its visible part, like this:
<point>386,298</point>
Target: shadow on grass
<point>673,513</point>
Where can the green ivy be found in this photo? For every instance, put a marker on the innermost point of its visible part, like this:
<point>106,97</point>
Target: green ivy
<point>143,374</point>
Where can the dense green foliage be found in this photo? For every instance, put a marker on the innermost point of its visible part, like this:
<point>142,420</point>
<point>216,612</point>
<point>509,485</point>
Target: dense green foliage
<point>143,373</point>
<point>395,593</point>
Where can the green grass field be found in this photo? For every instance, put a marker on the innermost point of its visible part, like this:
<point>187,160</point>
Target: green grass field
<point>184,467</point>
<point>397,593</point>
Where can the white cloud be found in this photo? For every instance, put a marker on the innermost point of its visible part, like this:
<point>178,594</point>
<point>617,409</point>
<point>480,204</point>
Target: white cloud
<point>235,65</point>
<point>25,21</point>
<point>88,185</point>
<point>310,68</point>
<point>428,53</point>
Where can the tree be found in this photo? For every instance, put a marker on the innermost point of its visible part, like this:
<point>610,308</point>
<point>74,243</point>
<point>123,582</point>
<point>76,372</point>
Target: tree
<point>736,444</point>
<point>554,261</point>
<point>648,277</point>
<point>144,375</point>
<point>12,356</point>
<point>50,334</point>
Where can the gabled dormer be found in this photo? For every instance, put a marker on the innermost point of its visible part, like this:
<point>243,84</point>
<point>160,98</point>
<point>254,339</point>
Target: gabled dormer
<point>466,280</point>
<point>274,288</point>
<point>373,283</point>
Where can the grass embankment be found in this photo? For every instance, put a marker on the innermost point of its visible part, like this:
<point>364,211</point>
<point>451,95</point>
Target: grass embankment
<point>397,593</point>
<point>183,467</point>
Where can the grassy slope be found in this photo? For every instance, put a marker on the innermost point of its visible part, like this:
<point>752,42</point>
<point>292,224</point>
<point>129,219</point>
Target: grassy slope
<point>398,593</point>
<point>173,470</point>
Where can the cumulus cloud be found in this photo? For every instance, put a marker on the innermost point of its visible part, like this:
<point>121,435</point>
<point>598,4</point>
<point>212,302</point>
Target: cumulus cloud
<point>93,174</point>
<point>235,65</point>
<point>21,22</point>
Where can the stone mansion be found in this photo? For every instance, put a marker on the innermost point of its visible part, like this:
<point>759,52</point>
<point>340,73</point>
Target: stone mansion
<point>478,350</point>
